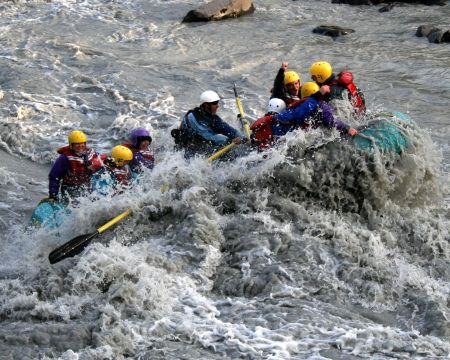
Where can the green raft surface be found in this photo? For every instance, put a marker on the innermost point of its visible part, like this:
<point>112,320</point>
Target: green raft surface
<point>384,134</point>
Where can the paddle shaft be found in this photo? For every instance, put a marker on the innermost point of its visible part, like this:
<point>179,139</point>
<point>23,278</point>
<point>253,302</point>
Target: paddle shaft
<point>221,152</point>
<point>114,221</point>
<point>77,244</point>
<point>241,112</point>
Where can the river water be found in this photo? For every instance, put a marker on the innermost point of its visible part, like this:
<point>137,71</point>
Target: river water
<point>276,258</point>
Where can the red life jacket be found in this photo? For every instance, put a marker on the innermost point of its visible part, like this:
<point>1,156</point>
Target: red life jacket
<point>296,103</point>
<point>345,80</point>
<point>78,174</point>
<point>122,174</point>
<point>290,100</point>
<point>263,137</point>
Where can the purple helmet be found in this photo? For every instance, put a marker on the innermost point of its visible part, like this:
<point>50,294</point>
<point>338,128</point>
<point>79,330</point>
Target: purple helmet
<point>138,135</point>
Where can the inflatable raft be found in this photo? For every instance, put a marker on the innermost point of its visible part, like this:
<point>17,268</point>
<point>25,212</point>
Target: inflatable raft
<point>386,133</point>
<point>49,215</point>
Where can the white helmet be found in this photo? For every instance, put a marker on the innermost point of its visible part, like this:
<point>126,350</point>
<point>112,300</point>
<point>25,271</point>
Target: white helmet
<point>208,96</point>
<point>276,105</point>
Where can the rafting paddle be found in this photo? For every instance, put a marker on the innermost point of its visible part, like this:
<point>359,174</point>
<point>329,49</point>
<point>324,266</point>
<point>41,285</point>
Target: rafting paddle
<point>76,245</point>
<point>245,124</point>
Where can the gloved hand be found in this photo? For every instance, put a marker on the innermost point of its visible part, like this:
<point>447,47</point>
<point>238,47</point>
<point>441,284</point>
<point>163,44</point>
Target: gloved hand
<point>237,140</point>
<point>86,161</point>
<point>352,132</point>
<point>261,122</point>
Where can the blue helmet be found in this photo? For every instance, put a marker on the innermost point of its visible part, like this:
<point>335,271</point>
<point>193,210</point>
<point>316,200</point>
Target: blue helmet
<point>138,135</point>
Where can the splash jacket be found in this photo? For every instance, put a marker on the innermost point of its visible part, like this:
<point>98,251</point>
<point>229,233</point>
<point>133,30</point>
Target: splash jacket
<point>71,171</point>
<point>202,132</point>
<point>141,158</point>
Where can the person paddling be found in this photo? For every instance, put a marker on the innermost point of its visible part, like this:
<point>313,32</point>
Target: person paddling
<point>70,175</point>
<point>202,131</point>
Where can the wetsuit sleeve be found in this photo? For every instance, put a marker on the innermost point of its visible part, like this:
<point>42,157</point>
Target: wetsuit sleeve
<point>143,161</point>
<point>59,168</point>
<point>278,86</point>
<point>223,128</point>
<point>329,120</point>
<point>204,132</point>
<point>298,114</point>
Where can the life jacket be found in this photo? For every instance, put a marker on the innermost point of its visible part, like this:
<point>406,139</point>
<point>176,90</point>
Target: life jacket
<point>356,97</point>
<point>121,175</point>
<point>296,103</point>
<point>262,133</point>
<point>185,138</point>
<point>79,174</point>
<point>290,100</point>
<point>263,137</point>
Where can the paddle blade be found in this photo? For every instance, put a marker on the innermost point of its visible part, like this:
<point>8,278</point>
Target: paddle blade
<point>71,248</point>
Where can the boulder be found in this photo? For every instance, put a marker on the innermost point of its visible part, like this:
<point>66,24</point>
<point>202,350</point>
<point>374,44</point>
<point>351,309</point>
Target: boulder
<point>219,10</point>
<point>333,31</point>
<point>445,37</point>
<point>376,2</point>
<point>434,34</point>
<point>424,30</point>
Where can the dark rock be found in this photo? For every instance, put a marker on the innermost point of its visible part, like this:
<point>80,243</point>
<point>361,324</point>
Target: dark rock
<point>219,10</point>
<point>357,2</point>
<point>434,2</point>
<point>446,36</point>
<point>376,2</point>
<point>435,36</point>
<point>424,30</point>
<point>333,31</point>
<point>386,8</point>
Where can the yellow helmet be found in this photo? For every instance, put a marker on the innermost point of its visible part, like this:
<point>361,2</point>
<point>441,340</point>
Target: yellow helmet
<point>321,71</point>
<point>309,88</point>
<point>120,154</point>
<point>290,77</point>
<point>77,137</point>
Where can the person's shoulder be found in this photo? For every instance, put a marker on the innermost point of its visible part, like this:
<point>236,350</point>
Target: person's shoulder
<point>311,100</point>
<point>63,150</point>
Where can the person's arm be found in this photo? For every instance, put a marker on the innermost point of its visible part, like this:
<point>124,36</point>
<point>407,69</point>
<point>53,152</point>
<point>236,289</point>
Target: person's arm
<point>223,128</point>
<point>59,168</point>
<point>147,161</point>
<point>278,85</point>
<point>205,132</point>
<point>298,114</point>
<point>330,121</point>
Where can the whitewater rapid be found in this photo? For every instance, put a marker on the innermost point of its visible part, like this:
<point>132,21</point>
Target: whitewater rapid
<point>293,255</point>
